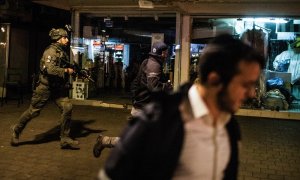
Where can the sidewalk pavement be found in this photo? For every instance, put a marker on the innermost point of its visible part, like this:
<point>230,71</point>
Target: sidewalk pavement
<point>39,156</point>
<point>270,147</point>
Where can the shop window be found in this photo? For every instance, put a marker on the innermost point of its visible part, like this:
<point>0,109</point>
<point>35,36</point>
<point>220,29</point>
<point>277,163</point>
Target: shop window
<point>277,39</point>
<point>116,46</point>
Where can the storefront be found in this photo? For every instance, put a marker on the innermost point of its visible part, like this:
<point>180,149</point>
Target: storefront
<point>272,28</point>
<point>276,38</point>
<point>112,47</point>
<point>269,27</point>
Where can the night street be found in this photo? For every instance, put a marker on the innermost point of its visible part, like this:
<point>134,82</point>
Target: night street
<point>270,148</point>
<point>39,156</point>
<point>109,56</point>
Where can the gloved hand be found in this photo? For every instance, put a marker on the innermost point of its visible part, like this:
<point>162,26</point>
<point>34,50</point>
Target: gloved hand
<point>168,86</point>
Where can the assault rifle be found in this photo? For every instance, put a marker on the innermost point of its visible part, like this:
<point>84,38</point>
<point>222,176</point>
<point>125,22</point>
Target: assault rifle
<point>77,70</point>
<point>80,72</point>
<point>83,73</point>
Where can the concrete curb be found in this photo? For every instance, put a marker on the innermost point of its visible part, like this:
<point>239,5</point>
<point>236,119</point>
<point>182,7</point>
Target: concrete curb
<point>242,112</point>
<point>97,103</point>
<point>289,115</point>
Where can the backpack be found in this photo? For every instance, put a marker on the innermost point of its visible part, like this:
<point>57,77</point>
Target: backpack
<point>275,100</point>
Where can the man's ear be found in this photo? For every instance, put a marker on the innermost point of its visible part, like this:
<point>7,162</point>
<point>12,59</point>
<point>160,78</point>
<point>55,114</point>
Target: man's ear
<point>213,79</point>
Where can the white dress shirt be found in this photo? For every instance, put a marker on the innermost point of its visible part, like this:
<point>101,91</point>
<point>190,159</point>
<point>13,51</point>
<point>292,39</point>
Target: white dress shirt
<point>206,148</point>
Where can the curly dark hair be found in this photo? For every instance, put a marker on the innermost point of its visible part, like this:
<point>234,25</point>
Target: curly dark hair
<point>223,55</point>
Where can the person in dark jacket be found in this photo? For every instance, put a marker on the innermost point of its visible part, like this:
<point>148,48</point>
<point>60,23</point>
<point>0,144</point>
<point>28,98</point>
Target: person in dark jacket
<point>191,134</point>
<point>150,78</point>
<point>53,82</point>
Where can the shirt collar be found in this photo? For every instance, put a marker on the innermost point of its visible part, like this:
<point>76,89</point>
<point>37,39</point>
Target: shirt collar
<point>198,106</point>
<point>200,110</point>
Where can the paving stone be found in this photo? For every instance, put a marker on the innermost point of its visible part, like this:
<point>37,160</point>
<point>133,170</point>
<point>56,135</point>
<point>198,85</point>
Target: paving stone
<point>277,139</point>
<point>270,147</point>
<point>260,175</point>
<point>275,177</point>
<point>251,178</point>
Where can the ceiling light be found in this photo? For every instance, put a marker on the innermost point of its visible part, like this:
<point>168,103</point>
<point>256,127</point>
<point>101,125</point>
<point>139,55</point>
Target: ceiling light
<point>2,44</point>
<point>145,4</point>
<point>270,20</point>
<point>106,19</point>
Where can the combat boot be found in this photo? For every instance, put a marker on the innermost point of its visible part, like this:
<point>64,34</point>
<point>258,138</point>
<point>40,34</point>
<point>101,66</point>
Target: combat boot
<point>68,143</point>
<point>99,146</point>
<point>15,137</point>
<point>104,142</point>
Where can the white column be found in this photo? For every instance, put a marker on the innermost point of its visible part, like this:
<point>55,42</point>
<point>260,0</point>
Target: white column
<point>185,48</point>
<point>76,23</point>
<point>176,80</point>
<point>76,33</point>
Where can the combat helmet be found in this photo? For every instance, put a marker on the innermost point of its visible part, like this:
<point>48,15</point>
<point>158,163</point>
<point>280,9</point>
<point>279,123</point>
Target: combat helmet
<point>56,34</point>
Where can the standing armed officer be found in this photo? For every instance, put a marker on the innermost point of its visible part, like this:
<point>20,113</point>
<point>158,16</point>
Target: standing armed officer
<point>53,83</point>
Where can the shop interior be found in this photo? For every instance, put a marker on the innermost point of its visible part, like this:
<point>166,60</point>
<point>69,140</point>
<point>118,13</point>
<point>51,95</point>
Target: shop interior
<point>112,48</point>
<point>277,39</point>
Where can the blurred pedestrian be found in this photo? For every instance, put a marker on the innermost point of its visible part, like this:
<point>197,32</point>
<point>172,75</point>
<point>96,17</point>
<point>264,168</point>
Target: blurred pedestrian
<point>191,134</point>
<point>150,78</point>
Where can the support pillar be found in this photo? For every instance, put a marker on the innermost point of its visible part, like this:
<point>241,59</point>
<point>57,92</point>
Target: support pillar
<point>185,49</point>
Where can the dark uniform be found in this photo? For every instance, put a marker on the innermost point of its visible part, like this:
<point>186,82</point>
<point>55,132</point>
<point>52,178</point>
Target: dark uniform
<point>53,83</point>
<point>150,78</point>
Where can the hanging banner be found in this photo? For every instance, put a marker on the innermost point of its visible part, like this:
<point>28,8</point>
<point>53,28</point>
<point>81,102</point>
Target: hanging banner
<point>157,37</point>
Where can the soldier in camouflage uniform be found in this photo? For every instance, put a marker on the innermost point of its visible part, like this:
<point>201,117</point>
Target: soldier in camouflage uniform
<point>53,82</point>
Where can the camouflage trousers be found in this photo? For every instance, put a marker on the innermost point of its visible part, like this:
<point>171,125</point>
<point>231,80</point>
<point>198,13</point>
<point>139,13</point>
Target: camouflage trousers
<point>39,99</point>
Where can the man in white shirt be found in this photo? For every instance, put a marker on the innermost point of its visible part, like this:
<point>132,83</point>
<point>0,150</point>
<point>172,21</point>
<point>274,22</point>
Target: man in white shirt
<point>191,134</point>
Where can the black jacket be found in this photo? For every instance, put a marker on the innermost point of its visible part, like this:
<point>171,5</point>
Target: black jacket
<point>150,78</point>
<point>150,145</point>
